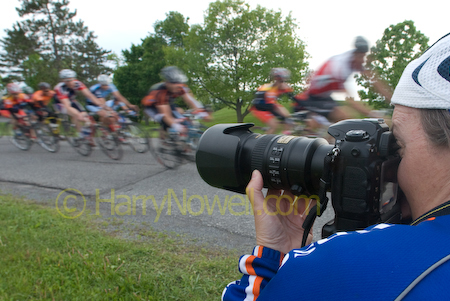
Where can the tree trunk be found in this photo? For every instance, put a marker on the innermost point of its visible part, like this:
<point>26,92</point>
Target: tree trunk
<point>240,118</point>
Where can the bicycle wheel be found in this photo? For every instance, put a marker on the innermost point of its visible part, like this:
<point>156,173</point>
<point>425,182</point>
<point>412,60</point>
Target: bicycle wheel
<point>136,137</point>
<point>165,151</point>
<point>46,138</point>
<point>83,146</point>
<point>80,144</point>
<point>21,139</point>
<point>109,142</point>
<point>194,136</point>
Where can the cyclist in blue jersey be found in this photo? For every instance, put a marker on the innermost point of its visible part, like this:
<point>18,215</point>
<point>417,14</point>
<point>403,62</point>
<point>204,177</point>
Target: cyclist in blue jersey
<point>102,90</point>
<point>117,106</point>
<point>385,261</point>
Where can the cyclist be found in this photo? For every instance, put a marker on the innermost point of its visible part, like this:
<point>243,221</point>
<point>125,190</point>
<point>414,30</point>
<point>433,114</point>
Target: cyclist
<point>65,101</point>
<point>160,105</point>
<point>40,100</point>
<point>331,77</point>
<point>265,106</point>
<point>116,105</point>
<point>101,90</point>
<point>13,104</point>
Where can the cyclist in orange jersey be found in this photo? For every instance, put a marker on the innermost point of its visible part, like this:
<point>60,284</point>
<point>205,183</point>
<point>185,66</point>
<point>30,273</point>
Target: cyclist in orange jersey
<point>265,105</point>
<point>40,100</point>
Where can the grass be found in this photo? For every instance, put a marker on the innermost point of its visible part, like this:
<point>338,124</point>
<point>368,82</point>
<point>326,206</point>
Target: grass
<point>44,256</point>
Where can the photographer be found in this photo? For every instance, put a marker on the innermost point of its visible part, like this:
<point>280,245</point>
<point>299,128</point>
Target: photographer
<point>384,261</point>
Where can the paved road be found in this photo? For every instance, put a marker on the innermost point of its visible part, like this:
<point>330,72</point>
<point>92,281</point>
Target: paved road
<point>176,201</point>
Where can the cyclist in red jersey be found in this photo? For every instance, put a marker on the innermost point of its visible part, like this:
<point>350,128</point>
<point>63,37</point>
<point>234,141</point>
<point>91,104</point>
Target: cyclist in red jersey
<point>65,100</point>
<point>331,77</point>
<point>160,105</point>
<point>265,105</point>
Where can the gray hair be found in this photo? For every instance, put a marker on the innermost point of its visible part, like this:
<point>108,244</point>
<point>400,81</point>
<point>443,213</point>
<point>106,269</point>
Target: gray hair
<point>436,124</point>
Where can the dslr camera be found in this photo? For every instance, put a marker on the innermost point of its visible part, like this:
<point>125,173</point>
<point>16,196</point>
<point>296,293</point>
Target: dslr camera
<point>360,169</point>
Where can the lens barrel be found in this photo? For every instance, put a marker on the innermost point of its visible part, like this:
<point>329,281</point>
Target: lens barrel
<point>228,153</point>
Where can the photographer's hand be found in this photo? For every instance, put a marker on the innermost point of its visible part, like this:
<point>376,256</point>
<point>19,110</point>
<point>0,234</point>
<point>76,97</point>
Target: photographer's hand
<point>278,219</point>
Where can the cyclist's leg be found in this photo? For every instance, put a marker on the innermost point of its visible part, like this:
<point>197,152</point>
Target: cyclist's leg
<point>320,109</point>
<point>267,118</point>
<point>153,114</point>
<point>77,118</point>
<point>78,115</point>
<point>19,116</point>
<point>283,114</point>
<point>107,117</point>
<point>177,113</point>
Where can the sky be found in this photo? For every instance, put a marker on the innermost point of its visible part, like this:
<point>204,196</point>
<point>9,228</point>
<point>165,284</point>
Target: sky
<point>327,27</point>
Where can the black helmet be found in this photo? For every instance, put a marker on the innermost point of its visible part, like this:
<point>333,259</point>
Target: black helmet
<point>361,44</point>
<point>43,86</point>
<point>172,74</point>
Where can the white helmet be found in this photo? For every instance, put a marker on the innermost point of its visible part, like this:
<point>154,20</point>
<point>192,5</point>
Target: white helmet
<point>13,88</point>
<point>280,74</point>
<point>104,79</point>
<point>67,73</point>
<point>172,74</point>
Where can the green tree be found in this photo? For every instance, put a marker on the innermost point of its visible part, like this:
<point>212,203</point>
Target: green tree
<point>232,53</point>
<point>49,38</point>
<point>400,44</point>
<point>173,29</point>
<point>142,64</point>
<point>17,47</point>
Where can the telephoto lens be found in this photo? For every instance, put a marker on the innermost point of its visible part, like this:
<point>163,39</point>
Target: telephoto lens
<point>228,153</point>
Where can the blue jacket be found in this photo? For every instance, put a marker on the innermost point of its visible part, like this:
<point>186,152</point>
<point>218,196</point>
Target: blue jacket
<point>377,263</point>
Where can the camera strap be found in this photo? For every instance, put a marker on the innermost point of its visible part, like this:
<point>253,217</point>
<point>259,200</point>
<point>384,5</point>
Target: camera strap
<point>325,183</point>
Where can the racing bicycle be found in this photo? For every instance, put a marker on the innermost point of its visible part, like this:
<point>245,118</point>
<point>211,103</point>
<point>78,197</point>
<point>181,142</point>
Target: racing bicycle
<point>132,133</point>
<point>22,134</point>
<point>171,149</point>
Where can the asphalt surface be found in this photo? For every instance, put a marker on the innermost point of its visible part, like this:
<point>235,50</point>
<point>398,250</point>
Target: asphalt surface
<point>133,194</point>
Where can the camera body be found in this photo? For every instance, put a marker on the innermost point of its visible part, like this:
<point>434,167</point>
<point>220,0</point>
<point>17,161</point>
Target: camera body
<point>364,186</point>
<point>359,169</point>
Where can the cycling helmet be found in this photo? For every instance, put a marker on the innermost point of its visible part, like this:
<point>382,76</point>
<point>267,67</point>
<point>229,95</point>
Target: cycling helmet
<point>44,86</point>
<point>361,44</point>
<point>67,73</point>
<point>27,90</point>
<point>104,79</point>
<point>280,73</point>
<point>13,88</point>
<point>173,74</point>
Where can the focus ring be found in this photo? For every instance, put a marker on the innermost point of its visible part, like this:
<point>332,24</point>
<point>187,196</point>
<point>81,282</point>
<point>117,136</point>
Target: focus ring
<point>257,159</point>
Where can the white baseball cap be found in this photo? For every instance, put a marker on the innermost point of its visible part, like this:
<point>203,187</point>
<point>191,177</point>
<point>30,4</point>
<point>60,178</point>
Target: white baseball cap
<point>425,82</point>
